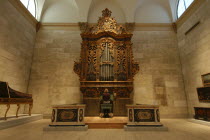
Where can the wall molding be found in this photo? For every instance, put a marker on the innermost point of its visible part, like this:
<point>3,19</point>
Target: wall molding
<point>138,26</point>
<point>60,26</point>
<point>23,11</point>
<point>191,9</point>
<point>153,27</point>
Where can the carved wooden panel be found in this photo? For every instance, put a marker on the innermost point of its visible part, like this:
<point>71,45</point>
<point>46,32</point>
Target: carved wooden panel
<point>67,115</point>
<point>204,94</point>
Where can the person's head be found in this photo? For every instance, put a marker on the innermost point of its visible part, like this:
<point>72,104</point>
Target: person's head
<point>106,90</point>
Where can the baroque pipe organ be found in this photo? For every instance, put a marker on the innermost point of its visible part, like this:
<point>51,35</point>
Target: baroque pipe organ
<point>106,63</point>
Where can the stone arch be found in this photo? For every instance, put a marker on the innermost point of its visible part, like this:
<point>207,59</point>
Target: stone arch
<point>65,11</point>
<point>150,11</point>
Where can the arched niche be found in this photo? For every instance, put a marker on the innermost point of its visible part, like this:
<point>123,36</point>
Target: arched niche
<point>60,11</point>
<point>151,11</point>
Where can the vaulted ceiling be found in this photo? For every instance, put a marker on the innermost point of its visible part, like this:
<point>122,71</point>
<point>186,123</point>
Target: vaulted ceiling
<point>139,11</point>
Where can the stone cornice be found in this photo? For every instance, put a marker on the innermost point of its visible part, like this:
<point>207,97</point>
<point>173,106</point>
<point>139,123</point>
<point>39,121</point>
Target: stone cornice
<point>190,10</point>
<point>60,26</point>
<point>21,8</point>
<point>137,27</point>
<point>153,27</point>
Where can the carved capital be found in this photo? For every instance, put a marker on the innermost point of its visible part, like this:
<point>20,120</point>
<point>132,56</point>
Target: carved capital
<point>83,26</point>
<point>38,26</point>
<point>130,26</point>
<point>174,27</point>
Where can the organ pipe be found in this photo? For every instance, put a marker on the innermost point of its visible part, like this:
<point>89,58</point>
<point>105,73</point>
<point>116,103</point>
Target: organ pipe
<point>106,68</point>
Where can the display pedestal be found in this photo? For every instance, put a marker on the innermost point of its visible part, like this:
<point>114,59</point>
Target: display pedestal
<point>144,118</point>
<point>68,115</point>
<point>143,115</point>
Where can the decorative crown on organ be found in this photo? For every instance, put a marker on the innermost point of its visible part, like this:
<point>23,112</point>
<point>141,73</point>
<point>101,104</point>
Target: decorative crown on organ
<point>106,13</point>
<point>106,24</point>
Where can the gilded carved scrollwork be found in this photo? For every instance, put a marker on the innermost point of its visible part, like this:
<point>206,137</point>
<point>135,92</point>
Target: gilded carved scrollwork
<point>135,68</point>
<point>107,24</point>
<point>121,63</point>
<point>102,46</point>
<point>91,72</point>
<point>83,26</point>
<point>77,68</point>
<point>94,92</point>
<point>130,26</point>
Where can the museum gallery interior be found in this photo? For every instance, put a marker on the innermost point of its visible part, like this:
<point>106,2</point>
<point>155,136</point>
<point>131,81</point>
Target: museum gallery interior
<point>105,69</point>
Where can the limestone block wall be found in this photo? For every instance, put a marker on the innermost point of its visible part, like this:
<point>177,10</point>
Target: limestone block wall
<point>160,79</point>
<point>52,79</point>
<point>17,39</point>
<point>195,53</point>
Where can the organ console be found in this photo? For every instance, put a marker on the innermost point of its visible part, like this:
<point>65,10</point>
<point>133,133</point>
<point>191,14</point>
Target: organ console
<point>106,62</point>
<point>10,96</point>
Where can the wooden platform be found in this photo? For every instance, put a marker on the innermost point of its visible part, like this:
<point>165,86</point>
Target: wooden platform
<point>106,123</point>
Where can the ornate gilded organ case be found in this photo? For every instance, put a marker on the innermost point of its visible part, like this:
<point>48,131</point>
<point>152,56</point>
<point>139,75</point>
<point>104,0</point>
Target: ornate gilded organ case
<point>106,62</point>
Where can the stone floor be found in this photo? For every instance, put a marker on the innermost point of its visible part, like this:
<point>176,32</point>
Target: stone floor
<point>179,129</point>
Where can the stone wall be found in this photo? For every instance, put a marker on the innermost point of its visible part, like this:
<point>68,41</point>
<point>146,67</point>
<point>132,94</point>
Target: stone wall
<point>195,53</point>
<point>17,38</point>
<point>160,78</point>
<point>53,80</point>
<point>159,81</point>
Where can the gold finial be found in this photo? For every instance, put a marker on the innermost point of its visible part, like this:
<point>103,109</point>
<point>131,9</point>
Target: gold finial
<point>106,13</point>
